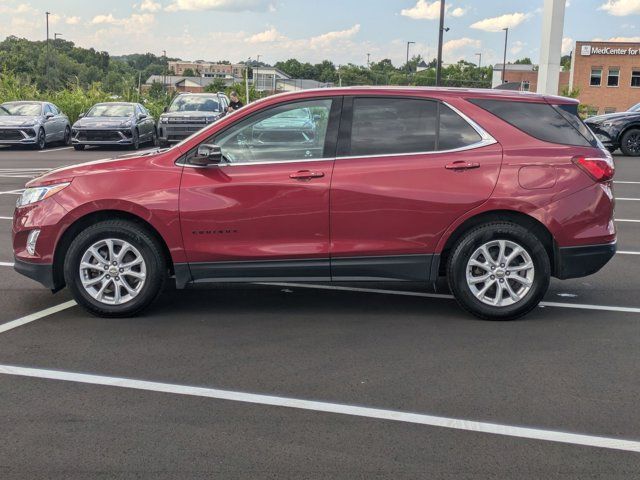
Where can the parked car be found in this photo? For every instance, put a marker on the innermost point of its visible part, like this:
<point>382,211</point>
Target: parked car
<point>188,113</point>
<point>33,123</point>
<point>114,123</point>
<point>618,130</point>
<point>496,190</point>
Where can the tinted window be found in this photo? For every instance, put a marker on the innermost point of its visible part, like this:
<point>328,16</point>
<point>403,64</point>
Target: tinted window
<point>54,109</point>
<point>295,131</point>
<point>540,120</point>
<point>455,132</point>
<point>393,125</point>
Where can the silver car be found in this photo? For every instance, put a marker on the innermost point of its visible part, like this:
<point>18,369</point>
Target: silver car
<point>188,113</point>
<point>33,123</point>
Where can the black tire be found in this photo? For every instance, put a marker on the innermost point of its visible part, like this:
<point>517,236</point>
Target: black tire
<point>474,239</point>
<point>67,137</point>
<point>150,250</point>
<point>630,143</point>
<point>135,140</point>
<point>163,143</point>
<point>41,140</point>
<point>154,138</point>
<point>79,147</point>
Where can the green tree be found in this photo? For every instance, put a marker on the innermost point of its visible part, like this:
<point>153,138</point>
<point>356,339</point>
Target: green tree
<point>188,72</point>
<point>217,85</point>
<point>523,61</point>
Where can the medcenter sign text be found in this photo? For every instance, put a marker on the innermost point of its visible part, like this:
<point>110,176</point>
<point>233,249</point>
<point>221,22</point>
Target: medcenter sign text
<point>589,50</point>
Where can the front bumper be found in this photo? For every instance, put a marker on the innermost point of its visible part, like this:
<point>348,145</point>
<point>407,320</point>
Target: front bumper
<point>18,136</point>
<point>40,272</point>
<point>575,262</point>
<point>176,132</point>
<point>608,136</point>
<point>112,136</point>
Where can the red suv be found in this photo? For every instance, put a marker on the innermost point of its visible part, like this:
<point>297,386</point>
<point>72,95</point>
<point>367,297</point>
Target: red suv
<point>497,190</point>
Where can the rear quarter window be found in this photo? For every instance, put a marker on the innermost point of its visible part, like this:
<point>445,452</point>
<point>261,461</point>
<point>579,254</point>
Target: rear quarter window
<point>549,123</point>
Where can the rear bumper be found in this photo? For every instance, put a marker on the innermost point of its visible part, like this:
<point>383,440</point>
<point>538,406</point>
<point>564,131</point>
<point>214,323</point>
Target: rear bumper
<point>40,272</point>
<point>575,262</point>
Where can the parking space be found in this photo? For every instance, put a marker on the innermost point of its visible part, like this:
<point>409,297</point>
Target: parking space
<point>401,381</point>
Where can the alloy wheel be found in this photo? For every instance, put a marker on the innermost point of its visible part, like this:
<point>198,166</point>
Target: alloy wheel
<point>112,271</point>
<point>500,273</point>
<point>633,143</point>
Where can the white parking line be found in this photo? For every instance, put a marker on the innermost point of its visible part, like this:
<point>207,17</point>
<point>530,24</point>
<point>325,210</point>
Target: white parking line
<point>623,252</point>
<point>628,199</point>
<point>327,407</point>
<point>6,264</point>
<point>5,327</point>
<point>579,306</point>
<point>625,182</point>
<point>626,220</point>
<point>6,218</point>
<point>54,149</point>
<point>13,192</point>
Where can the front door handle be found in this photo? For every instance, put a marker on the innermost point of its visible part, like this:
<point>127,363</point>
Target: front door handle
<point>462,165</point>
<point>306,175</point>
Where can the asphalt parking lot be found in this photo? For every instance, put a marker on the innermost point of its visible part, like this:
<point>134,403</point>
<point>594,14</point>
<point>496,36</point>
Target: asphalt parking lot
<point>291,381</point>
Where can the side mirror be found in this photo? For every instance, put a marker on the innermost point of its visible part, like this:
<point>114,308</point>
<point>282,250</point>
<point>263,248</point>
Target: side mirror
<point>48,115</point>
<point>317,117</point>
<point>165,109</point>
<point>207,155</point>
<point>142,116</point>
<point>82,114</point>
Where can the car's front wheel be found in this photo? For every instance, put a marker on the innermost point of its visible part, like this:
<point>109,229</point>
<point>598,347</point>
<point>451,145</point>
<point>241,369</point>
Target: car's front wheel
<point>499,271</point>
<point>115,268</point>
<point>630,143</point>
<point>66,140</point>
<point>41,139</point>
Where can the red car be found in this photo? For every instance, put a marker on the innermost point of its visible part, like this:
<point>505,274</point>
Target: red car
<point>497,190</point>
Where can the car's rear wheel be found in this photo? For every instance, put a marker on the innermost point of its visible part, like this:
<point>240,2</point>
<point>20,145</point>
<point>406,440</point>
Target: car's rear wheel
<point>499,271</point>
<point>630,142</point>
<point>115,268</point>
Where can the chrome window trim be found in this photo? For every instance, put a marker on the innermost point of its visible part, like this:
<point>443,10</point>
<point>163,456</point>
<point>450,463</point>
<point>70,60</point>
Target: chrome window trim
<point>485,140</point>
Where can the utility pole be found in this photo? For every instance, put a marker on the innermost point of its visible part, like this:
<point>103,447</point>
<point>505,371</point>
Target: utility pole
<point>368,60</point>
<point>440,35</point>
<point>256,79</point>
<point>408,67</point>
<point>246,80</point>
<point>504,58</point>
<point>479,55</point>
<point>164,71</point>
<point>46,58</point>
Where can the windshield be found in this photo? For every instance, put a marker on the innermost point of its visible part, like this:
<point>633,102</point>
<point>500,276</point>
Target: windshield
<point>302,113</point>
<point>110,110</point>
<point>21,109</point>
<point>635,108</point>
<point>188,103</point>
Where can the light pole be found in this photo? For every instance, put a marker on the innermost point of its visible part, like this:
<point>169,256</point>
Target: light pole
<point>504,58</point>
<point>255,74</point>
<point>440,34</point>
<point>164,71</point>
<point>246,80</point>
<point>46,60</point>
<point>408,67</point>
<point>368,60</point>
<point>56,35</point>
<point>479,55</point>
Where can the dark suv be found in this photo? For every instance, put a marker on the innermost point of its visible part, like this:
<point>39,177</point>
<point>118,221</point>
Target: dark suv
<point>496,190</point>
<point>618,130</point>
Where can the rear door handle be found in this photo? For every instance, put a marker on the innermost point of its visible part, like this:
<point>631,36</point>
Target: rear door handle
<point>306,175</point>
<point>462,165</point>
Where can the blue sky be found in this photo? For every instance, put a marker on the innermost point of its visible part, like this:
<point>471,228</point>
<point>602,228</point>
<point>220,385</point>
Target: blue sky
<point>311,30</point>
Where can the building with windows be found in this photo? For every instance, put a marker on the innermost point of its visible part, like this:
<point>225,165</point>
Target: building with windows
<point>607,75</point>
<point>522,77</point>
<point>207,69</point>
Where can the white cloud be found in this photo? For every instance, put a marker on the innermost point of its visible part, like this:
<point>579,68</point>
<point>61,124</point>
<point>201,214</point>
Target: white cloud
<point>269,35</point>
<point>226,5</point>
<point>98,19</point>
<point>516,47</point>
<point>423,10</point>
<point>495,24</point>
<point>331,37</point>
<point>458,11</point>
<point>624,39</point>
<point>621,8</point>
<point>149,6</point>
<point>567,45</point>
<point>140,21</point>
<point>459,43</point>
<point>72,20</point>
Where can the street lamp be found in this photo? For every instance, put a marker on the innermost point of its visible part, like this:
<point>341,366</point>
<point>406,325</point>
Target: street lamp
<point>440,35</point>
<point>479,55</point>
<point>255,74</point>
<point>56,35</point>
<point>408,67</point>
<point>46,65</point>
<point>504,58</point>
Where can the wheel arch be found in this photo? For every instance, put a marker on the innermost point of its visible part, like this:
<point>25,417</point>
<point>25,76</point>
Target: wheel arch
<point>88,219</point>
<point>527,221</point>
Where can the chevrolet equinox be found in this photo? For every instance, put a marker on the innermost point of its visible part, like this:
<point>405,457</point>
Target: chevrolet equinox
<point>498,191</point>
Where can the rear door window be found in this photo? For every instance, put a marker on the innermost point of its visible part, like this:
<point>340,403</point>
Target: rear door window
<point>455,132</point>
<point>392,126</point>
<point>549,123</point>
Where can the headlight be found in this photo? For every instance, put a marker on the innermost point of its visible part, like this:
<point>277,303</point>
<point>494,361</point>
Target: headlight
<point>164,120</point>
<point>28,124</point>
<point>128,123</point>
<point>35,194</point>
<point>211,118</point>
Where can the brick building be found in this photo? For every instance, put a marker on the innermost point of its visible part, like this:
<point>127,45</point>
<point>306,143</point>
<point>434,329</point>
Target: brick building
<point>526,76</point>
<point>207,69</point>
<point>607,75</point>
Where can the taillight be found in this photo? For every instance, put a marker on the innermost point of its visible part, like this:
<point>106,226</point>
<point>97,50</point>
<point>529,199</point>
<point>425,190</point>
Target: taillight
<point>598,168</point>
